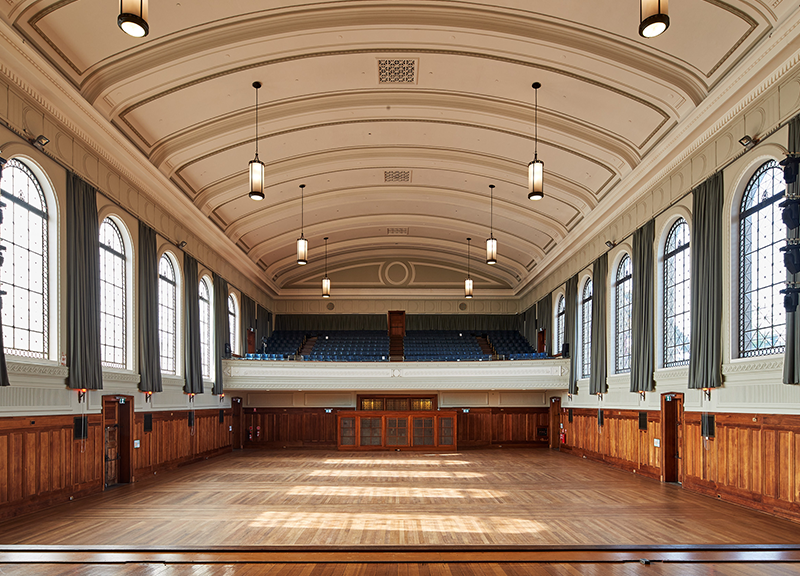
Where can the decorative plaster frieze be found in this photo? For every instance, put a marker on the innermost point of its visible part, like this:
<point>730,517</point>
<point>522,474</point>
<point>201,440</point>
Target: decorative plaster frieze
<point>121,376</point>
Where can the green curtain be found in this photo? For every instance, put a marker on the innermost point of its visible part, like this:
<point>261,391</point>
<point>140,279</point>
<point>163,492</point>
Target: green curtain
<point>221,328</point>
<point>83,286</point>
<point>570,329</point>
<point>544,321</point>
<point>319,322</point>
<point>530,324</point>
<point>705,353</point>
<point>597,360</point>
<point>262,325</point>
<point>248,320</point>
<point>3,367</point>
<point>149,345</point>
<point>642,354</point>
<point>193,364</point>
<point>470,322</point>
<point>791,356</point>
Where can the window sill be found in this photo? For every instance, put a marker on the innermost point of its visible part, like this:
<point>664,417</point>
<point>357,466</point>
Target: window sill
<point>36,373</point>
<point>119,376</point>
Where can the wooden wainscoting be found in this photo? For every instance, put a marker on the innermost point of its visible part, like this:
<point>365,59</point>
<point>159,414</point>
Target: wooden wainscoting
<point>753,460</point>
<point>42,463</point>
<point>289,428</point>
<point>484,427</point>
<point>173,441</point>
<point>618,442</point>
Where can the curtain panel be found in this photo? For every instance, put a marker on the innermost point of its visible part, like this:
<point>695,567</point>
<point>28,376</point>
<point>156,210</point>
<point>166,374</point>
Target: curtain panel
<point>149,345</point>
<point>262,325</point>
<point>193,364</point>
<point>598,369</point>
<point>320,322</point>
<point>544,321</point>
<point>83,286</point>
<point>705,353</point>
<point>530,323</point>
<point>642,313</point>
<point>3,367</point>
<point>470,322</point>
<point>248,320</point>
<point>221,329</point>
<point>570,329</point>
<point>791,355</point>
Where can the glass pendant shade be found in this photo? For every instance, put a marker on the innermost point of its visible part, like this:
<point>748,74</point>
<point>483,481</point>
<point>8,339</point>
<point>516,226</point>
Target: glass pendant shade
<point>132,18</point>
<point>491,250</point>
<point>468,288</point>
<point>302,250</point>
<point>536,180</point>
<point>256,179</point>
<point>654,17</point>
<point>326,287</point>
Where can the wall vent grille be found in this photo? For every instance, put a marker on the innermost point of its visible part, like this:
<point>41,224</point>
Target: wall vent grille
<point>397,71</point>
<point>397,176</point>
<point>397,231</point>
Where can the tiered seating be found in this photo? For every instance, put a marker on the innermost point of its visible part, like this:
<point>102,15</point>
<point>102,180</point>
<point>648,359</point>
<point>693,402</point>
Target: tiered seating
<point>512,345</point>
<point>351,346</point>
<point>442,345</point>
<point>280,346</point>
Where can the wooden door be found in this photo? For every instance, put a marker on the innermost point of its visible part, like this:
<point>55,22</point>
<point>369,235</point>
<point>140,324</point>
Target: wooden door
<point>125,438</point>
<point>397,323</point>
<point>554,433</point>
<point>111,428</point>
<point>672,437</point>
<point>237,422</point>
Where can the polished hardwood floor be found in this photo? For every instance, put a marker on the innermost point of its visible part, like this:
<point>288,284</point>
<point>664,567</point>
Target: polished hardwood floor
<point>347,499</point>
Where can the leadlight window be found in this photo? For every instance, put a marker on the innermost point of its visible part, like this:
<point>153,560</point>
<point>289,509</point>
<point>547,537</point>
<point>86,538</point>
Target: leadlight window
<point>25,269</point>
<point>205,328</point>
<point>586,329</point>
<point>762,317</point>
<point>397,431</point>
<point>232,331</point>
<point>423,431</point>
<point>446,436</point>
<point>561,312</point>
<point>623,293</point>
<point>167,314</point>
<point>113,315</point>
<point>371,431</point>
<point>677,267</point>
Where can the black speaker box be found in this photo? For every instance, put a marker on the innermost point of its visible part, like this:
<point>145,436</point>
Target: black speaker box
<point>707,425</point>
<point>80,428</point>
<point>565,350</point>
<point>148,422</point>
<point>643,421</point>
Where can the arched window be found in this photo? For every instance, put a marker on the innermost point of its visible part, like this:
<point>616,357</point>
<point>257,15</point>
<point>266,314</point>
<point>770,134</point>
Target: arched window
<point>113,305</point>
<point>232,331</point>
<point>623,294</point>
<point>677,267</point>
<point>205,328</point>
<point>762,318</point>
<point>25,270</point>
<point>586,329</point>
<point>561,312</point>
<point>167,314</point>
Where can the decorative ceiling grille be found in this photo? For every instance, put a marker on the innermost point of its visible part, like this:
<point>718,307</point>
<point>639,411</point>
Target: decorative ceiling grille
<point>397,176</point>
<point>397,231</point>
<point>397,71</point>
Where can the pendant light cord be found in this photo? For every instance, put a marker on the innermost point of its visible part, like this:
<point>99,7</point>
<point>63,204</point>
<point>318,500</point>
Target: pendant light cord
<point>536,124</point>
<point>468,266</point>
<point>257,86</point>
<point>326,257</point>
<point>302,210</point>
<point>491,211</point>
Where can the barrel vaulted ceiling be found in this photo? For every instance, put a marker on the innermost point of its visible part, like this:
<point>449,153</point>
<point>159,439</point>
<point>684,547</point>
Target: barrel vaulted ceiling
<point>396,115</point>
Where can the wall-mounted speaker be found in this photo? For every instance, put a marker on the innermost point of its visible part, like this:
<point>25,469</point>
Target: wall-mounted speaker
<point>643,421</point>
<point>80,428</point>
<point>148,422</point>
<point>707,425</point>
<point>221,416</point>
<point>565,350</point>
<point>569,415</point>
<point>191,419</point>
<point>599,417</point>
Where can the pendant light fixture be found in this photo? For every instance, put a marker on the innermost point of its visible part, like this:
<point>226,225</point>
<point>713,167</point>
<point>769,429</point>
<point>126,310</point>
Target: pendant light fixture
<point>132,18</point>
<point>326,282</point>
<point>302,243</point>
<point>653,17</point>
<point>536,167</point>
<point>491,243</point>
<point>468,281</point>
<point>256,165</point>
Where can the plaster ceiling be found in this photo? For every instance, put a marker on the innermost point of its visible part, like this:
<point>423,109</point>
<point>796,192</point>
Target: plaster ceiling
<point>397,172</point>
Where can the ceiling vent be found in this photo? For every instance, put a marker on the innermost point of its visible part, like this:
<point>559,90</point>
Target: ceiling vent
<point>397,231</point>
<point>397,176</point>
<point>397,71</point>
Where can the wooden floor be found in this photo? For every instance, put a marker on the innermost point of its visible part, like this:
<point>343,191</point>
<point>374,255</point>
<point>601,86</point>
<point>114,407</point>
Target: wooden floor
<point>345,499</point>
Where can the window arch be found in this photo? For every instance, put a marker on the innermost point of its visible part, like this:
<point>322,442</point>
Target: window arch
<point>623,296</point>
<point>233,314</point>
<point>677,293</point>
<point>561,312</point>
<point>206,344</point>
<point>762,318</point>
<point>586,328</point>
<point>113,296</point>
<point>167,314</point>
<point>24,274</point>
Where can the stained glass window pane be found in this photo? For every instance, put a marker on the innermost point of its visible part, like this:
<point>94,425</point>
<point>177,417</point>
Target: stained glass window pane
<point>623,289</point>
<point>586,329</point>
<point>677,266</point>
<point>206,350</point>
<point>167,313</point>
<point>113,305</point>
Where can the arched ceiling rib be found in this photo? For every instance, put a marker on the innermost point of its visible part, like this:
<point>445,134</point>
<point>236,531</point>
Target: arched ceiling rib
<point>415,156</point>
